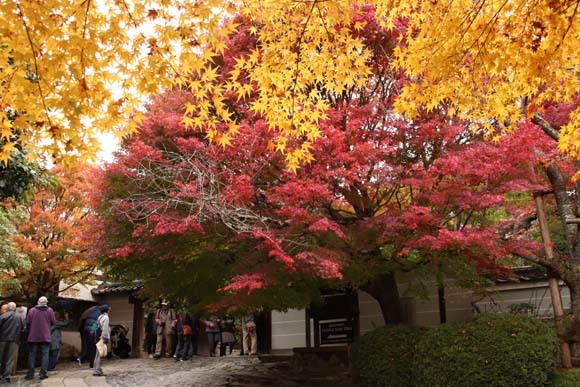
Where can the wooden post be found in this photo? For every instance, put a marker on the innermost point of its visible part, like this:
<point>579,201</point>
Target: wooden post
<point>553,282</point>
<point>308,334</point>
<point>138,330</point>
<point>441,296</point>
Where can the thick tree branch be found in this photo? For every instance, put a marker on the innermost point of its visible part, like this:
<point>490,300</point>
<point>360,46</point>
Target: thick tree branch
<point>546,127</point>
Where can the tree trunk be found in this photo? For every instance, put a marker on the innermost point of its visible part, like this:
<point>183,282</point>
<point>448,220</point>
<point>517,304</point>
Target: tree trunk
<point>567,209</point>
<point>553,281</point>
<point>383,288</point>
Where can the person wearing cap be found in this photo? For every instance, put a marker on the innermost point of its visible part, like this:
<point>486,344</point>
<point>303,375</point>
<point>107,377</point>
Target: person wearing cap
<point>39,321</point>
<point>105,336</point>
<point>165,320</point>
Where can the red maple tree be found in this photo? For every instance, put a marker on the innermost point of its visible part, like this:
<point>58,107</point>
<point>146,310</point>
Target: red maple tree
<point>384,194</point>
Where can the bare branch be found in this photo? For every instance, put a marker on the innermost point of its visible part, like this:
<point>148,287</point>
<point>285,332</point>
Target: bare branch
<point>183,186</point>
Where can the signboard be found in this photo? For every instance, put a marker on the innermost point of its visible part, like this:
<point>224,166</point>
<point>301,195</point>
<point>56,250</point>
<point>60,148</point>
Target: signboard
<point>336,332</point>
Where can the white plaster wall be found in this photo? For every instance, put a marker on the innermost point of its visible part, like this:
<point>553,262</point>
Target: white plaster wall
<point>72,338</point>
<point>537,294</point>
<point>288,329</point>
<point>78,291</point>
<point>457,305</point>
<point>121,311</point>
<point>370,316</point>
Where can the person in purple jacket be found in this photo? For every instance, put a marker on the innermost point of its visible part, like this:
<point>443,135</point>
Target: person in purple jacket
<point>39,322</point>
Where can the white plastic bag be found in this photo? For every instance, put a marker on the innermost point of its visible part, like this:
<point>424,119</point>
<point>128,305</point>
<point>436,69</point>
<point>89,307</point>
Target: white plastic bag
<point>102,348</point>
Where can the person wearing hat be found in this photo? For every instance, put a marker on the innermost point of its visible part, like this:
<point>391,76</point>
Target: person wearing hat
<point>39,321</point>
<point>165,320</point>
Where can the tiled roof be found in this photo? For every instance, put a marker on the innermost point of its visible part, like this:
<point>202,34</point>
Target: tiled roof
<point>523,274</point>
<point>112,287</point>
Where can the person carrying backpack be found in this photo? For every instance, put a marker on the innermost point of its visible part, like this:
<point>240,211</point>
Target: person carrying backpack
<point>89,333</point>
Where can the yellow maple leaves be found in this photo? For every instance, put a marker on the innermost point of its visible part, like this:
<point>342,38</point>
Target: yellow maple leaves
<point>85,67</point>
<point>486,56</point>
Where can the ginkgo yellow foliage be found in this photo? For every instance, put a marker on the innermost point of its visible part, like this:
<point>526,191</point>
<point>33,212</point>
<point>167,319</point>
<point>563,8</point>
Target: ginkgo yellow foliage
<point>73,69</point>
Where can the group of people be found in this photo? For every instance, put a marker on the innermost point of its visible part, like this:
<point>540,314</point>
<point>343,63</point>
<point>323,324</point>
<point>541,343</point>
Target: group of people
<point>41,329</point>
<point>167,334</point>
<point>177,334</point>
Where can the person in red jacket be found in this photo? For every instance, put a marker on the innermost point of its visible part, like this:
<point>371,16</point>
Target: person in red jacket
<point>39,322</point>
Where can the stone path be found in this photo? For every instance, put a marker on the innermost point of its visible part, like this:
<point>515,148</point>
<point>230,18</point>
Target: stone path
<point>232,371</point>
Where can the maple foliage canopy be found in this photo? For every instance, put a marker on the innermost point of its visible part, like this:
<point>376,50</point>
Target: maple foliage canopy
<point>47,234</point>
<point>381,194</point>
<point>73,69</point>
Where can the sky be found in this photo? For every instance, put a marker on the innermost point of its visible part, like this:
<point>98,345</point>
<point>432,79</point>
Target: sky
<point>109,144</point>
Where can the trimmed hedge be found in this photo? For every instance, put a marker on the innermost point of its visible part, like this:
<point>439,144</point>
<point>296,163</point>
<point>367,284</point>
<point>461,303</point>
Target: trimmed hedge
<point>384,356</point>
<point>493,350</point>
<point>566,378</point>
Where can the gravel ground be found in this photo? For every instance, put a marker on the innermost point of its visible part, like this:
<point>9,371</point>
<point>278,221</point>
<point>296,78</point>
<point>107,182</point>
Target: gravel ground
<point>231,371</point>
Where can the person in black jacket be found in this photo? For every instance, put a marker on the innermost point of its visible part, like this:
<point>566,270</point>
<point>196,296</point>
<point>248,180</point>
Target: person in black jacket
<point>11,327</point>
<point>228,338</point>
<point>88,335</point>
<point>195,332</point>
<point>84,356</point>
<point>150,333</point>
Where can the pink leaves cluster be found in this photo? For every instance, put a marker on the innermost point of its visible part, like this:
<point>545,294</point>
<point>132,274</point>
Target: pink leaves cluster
<point>326,262</point>
<point>246,283</point>
<point>165,225</point>
<point>324,224</point>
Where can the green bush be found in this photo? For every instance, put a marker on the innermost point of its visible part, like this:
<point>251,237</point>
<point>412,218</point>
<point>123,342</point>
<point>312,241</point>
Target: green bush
<point>384,356</point>
<point>567,378</point>
<point>493,350</point>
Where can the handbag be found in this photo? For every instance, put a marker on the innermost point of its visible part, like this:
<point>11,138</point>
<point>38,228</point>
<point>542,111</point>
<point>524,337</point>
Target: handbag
<point>228,337</point>
<point>251,326</point>
<point>102,348</point>
<point>187,330</point>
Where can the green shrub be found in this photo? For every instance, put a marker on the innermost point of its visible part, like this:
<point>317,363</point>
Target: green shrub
<point>567,378</point>
<point>493,350</point>
<point>384,356</point>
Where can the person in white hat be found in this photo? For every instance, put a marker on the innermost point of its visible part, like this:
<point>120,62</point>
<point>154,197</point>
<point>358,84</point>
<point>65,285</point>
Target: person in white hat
<point>39,322</point>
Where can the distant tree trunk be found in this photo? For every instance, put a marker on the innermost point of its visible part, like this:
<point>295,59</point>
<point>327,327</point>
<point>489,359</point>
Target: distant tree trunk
<point>383,288</point>
<point>554,285</point>
<point>567,209</point>
<point>567,203</point>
